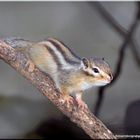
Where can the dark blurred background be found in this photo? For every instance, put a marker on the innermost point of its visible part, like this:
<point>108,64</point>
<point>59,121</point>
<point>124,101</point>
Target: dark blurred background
<point>87,28</point>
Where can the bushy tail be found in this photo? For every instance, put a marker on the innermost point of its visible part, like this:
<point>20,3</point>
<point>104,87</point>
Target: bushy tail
<point>16,42</point>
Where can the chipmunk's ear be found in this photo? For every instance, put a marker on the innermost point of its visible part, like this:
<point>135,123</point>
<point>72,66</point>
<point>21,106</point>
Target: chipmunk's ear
<point>85,63</point>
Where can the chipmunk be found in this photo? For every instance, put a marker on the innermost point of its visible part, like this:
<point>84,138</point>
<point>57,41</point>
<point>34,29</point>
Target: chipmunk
<point>71,74</point>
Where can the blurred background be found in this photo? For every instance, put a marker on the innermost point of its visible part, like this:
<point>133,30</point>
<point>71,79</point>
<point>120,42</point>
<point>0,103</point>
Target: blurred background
<point>89,29</point>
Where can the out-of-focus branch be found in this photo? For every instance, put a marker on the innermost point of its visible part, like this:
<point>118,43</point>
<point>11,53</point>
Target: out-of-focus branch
<point>128,39</point>
<point>83,118</point>
<point>110,19</point>
<point>118,28</point>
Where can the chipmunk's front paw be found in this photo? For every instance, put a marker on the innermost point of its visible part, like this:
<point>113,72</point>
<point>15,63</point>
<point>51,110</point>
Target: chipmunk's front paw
<point>67,100</point>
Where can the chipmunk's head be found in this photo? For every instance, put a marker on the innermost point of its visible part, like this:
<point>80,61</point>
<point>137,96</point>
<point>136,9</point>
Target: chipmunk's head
<point>98,70</point>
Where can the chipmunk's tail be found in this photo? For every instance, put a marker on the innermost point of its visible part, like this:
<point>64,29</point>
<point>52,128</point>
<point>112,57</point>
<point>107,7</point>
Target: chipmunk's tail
<point>16,42</point>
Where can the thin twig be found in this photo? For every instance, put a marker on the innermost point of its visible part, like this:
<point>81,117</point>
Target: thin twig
<point>128,39</point>
<point>118,28</point>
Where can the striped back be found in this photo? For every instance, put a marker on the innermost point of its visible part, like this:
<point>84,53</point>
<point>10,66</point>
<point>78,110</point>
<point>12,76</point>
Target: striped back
<point>62,54</point>
<point>68,55</point>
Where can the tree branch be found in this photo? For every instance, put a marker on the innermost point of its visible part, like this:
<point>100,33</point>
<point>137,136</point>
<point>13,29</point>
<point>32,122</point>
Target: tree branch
<point>85,119</point>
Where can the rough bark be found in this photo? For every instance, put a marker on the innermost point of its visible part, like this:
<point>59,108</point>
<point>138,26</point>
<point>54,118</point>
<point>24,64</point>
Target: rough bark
<point>83,118</point>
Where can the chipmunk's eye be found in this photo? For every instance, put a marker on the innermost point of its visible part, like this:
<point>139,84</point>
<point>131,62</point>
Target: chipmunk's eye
<point>95,70</point>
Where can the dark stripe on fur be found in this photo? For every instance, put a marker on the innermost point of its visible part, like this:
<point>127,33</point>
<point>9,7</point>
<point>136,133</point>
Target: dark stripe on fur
<point>63,53</point>
<point>54,56</point>
<point>70,51</point>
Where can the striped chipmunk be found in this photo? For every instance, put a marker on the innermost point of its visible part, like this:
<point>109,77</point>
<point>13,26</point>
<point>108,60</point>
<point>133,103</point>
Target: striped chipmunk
<point>71,74</point>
